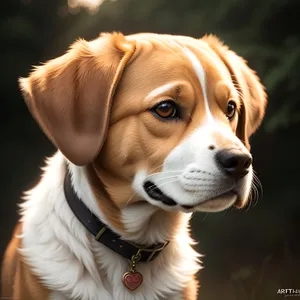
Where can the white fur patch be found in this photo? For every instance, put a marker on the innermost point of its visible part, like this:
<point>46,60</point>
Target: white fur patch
<point>72,264</point>
<point>200,72</point>
<point>160,90</point>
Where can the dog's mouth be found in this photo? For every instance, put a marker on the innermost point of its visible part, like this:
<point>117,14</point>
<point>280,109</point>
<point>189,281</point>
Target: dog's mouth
<point>157,194</point>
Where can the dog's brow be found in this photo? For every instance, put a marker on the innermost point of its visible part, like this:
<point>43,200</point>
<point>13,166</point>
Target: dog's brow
<point>161,90</point>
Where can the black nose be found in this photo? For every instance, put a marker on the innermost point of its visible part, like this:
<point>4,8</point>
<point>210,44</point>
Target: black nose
<point>235,162</point>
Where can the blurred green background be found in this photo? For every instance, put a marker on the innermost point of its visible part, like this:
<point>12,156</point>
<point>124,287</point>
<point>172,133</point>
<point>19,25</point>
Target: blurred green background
<point>250,253</point>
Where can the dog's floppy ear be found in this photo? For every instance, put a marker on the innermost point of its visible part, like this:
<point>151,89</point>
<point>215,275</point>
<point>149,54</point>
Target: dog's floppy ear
<point>71,96</point>
<point>252,92</point>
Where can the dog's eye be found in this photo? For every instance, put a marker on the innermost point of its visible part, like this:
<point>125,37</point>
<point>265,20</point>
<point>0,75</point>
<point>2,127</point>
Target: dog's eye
<point>167,110</point>
<point>231,110</point>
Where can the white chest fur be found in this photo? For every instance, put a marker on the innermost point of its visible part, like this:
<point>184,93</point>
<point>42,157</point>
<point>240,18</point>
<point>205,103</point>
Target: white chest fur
<point>67,259</point>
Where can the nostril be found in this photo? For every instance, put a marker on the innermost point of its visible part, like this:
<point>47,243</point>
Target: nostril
<point>248,162</point>
<point>230,162</point>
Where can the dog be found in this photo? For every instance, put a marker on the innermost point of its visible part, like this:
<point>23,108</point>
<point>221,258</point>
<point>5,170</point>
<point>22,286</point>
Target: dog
<point>149,129</point>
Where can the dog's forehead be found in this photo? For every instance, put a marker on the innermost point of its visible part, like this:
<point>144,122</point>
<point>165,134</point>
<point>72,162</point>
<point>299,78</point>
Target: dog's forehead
<point>169,66</point>
<point>179,54</point>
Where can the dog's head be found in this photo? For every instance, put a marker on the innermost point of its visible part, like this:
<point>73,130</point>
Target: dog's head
<point>159,118</point>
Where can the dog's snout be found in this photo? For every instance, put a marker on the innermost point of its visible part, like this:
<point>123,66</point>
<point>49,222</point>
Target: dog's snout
<point>235,162</point>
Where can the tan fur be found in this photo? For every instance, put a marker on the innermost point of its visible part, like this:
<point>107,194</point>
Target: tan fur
<point>77,111</point>
<point>252,93</point>
<point>18,282</point>
<point>91,104</point>
<point>191,290</point>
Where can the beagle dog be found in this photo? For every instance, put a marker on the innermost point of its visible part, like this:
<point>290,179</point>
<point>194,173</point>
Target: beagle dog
<point>149,129</point>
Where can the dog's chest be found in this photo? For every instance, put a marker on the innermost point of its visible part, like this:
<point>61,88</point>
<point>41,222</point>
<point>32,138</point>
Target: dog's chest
<point>73,265</point>
<point>90,271</point>
<point>161,279</point>
<point>160,282</point>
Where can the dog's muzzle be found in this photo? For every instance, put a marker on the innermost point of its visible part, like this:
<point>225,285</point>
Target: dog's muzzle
<point>234,163</point>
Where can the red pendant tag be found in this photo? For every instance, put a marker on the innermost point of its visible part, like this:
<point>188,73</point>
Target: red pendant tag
<point>132,280</point>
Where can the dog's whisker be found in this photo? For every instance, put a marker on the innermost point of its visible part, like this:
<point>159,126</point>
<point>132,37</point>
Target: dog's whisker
<point>128,201</point>
<point>163,173</point>
<point>201,179</point>
<point>199,191</point>
<point>256,195</point>
<point>257,183</point>
<point>160,185</point>
<point>254,192</point>
<point>162,180</point>
<point>157,167</point>
<point>179,171</point>
<point>206,215</point>
<point>167,177</point>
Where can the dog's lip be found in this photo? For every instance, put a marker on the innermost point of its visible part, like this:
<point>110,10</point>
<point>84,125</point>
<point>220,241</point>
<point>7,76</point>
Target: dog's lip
<point>192,208</point>
<point>228,193</point>
<point>155,193</point>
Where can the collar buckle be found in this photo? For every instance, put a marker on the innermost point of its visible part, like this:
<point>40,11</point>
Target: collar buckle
<point>153,251</point>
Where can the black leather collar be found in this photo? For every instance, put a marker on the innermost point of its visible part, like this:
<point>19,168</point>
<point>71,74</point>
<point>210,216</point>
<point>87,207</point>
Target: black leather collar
<point>105,235</point>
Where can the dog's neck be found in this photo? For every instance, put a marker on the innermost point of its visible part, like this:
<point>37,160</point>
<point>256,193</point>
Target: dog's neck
<point>80,265</point>
<point>141,222</point>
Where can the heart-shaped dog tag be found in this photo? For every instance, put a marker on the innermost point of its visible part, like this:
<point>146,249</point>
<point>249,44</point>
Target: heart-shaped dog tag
<point>132,280</point>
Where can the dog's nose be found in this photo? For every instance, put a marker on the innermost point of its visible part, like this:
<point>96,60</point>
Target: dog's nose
<point>235,162</point>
